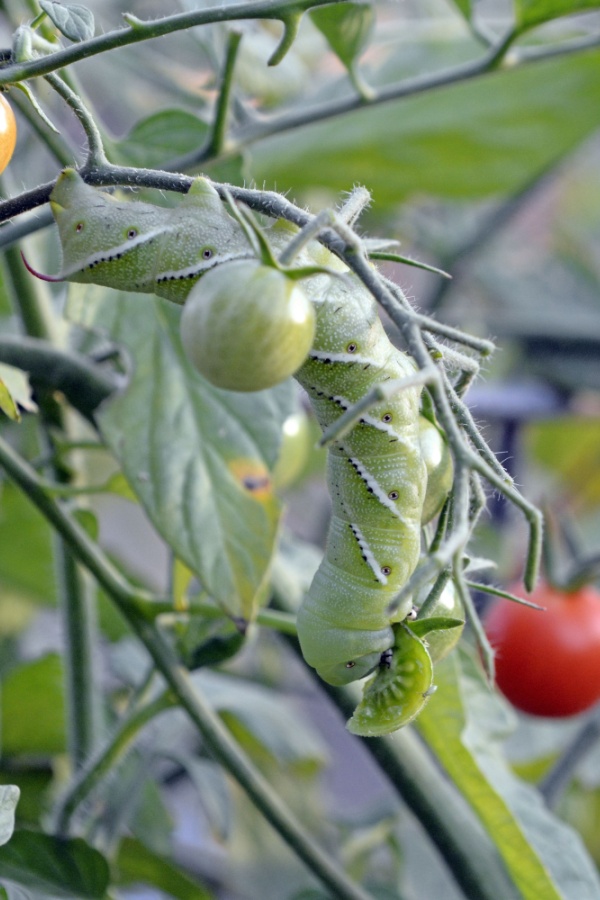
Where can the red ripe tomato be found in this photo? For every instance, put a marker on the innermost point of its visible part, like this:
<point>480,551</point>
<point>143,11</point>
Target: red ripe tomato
<point>548,663</point>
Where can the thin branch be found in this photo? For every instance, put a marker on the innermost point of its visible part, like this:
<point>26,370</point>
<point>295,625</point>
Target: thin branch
<point>216,142</point>
<point>214,732</point>
<point>95,155</point>
<point>468,852</point>
<point>138,30</point>
<point>558,778</point>
<point>104,760</point>
<point>84,384</point>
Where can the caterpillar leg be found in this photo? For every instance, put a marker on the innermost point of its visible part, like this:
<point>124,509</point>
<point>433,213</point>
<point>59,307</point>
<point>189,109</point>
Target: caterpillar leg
<point>398,690</point>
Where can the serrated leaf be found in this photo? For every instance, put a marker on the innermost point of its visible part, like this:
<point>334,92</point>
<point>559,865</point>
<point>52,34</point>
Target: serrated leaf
<point>9,797</point>
<point>69,869</point>
<point>198,458</point>
<point>347,28</point>
<point>509,121</point>
<point>160,137</point>
<point>534,12</point>
<point>464,727</point>
<point>74,21</point>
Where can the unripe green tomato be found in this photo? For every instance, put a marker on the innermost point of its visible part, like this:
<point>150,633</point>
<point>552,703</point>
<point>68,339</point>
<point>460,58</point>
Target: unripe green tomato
<point>448,605</point>
<point>295,448</point>
<point>246,326</point>
<point>440,469</point>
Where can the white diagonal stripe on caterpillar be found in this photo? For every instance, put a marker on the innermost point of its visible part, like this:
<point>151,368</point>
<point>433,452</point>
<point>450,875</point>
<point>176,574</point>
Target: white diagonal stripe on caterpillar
<point>117,252</point>
<point>373,485</point>
<point>198,268</point>
<point>329,356</point>
<point>366,419</point>
<point>367,553</point>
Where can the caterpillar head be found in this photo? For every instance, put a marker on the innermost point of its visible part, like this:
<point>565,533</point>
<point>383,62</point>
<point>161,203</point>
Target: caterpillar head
<point>100,236</point>
<point>339,654</point>
<point>137,246</point>
<point>340,673</point>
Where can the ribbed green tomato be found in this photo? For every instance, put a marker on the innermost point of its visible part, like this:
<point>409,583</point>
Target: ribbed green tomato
<point>246,326</point>
<point>294,452</point>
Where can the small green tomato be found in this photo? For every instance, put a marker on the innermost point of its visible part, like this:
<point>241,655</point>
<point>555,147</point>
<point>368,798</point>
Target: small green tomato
<point>246,326</point>
<point>295,449</point>
<point>448,614</point>
<point>440,470</point>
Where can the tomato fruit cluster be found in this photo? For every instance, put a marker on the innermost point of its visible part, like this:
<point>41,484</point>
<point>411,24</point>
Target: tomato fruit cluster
<point>548,662</point>
<point>8,132</point>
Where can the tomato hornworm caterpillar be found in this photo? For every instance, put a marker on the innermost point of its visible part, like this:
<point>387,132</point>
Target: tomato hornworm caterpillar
<point>377,472</point>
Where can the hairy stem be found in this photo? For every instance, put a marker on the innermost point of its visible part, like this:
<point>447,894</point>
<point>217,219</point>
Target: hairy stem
<point>78,611</point>
<point>95,155</point>
<point>216,141</point>
<point>138,30</point>
<point>214,733</point>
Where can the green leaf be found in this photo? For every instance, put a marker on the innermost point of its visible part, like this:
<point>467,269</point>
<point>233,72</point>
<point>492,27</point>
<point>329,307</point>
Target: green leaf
<point>482,138</point>
<point>60,867</point>
<point>262,721</point>
<point>198,458</point>
<point>14,392</point>
<point>422,627</point>
<point>570,448</point>
<point>136,864</point>
<point>9,797</point>
<point>205,642</point>
<point>32,714</point>
<point>534,12</point>
<point>465,7</point>
<point>26,566</point>
<point>7,403</point>
<point>160,137</point>
<point>347,28</point>
<point>463,726</point>
<point>74,21</point>
<point>213,793</point>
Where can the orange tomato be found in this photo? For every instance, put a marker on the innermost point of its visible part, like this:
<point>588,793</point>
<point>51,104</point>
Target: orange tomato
<point>8,132</point>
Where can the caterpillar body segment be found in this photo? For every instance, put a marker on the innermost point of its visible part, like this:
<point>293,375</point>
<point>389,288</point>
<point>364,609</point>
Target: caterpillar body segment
<point>376,478</point>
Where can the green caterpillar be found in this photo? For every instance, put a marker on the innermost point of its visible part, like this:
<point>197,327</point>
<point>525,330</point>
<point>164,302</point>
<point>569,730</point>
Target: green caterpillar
<point>377,473</point>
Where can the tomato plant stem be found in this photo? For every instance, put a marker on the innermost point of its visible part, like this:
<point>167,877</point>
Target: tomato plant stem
<point>188,697</point>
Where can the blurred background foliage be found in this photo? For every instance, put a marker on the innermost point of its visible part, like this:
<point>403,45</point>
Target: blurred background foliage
<point>496,179</point>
